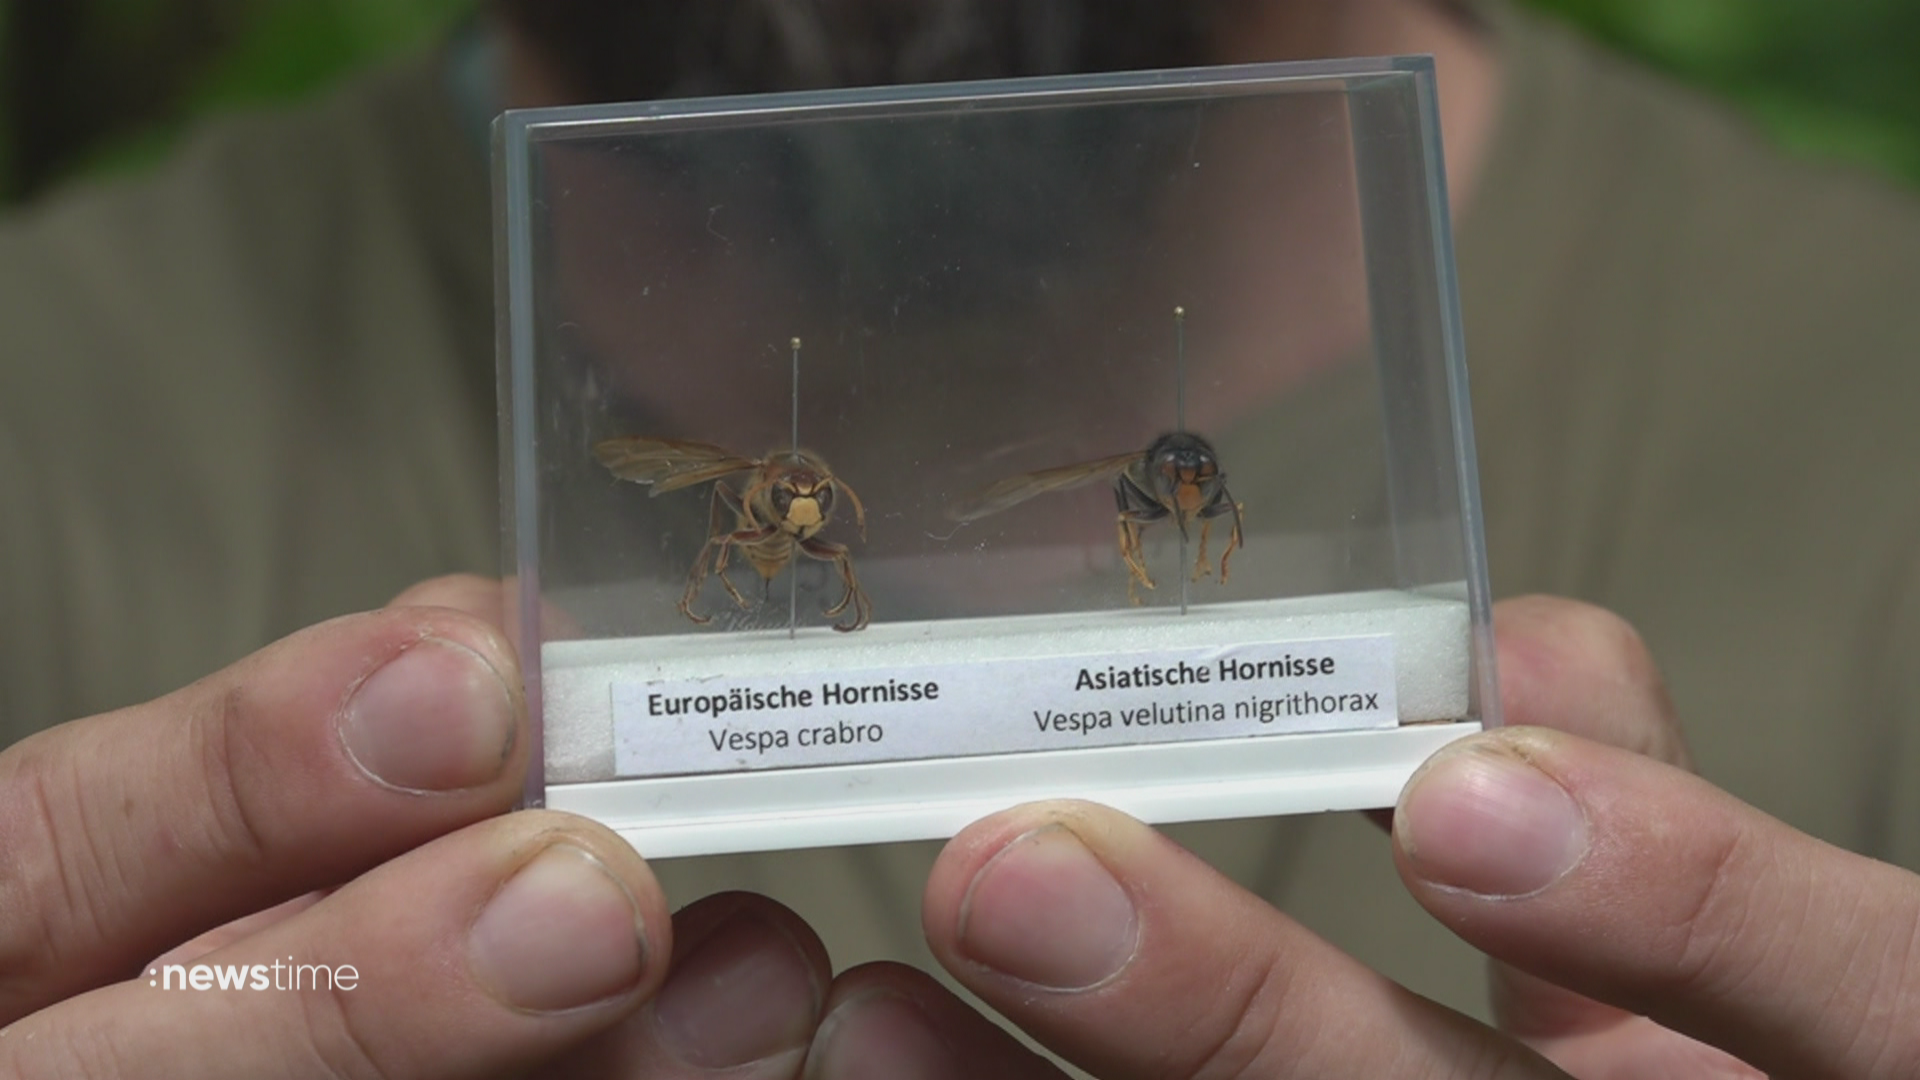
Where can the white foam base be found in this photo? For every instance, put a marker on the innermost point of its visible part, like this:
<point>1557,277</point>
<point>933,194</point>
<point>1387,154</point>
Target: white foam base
<point>928,799</point>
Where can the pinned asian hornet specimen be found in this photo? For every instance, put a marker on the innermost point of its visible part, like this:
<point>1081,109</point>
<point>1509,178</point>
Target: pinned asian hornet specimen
<point>788,498</point>
<point>1178,477</point>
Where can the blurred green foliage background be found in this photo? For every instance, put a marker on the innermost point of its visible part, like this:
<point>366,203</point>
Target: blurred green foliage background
<point>1829,77</point>
<point>88,86</point>
<point>97,85</point>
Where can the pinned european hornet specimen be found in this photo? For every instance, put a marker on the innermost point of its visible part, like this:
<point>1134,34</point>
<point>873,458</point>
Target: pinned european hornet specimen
<point>788,498</point>
<point>1178,477</point>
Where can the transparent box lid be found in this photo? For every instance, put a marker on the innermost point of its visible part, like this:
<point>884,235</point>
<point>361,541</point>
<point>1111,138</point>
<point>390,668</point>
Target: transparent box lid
<point>878,459</point>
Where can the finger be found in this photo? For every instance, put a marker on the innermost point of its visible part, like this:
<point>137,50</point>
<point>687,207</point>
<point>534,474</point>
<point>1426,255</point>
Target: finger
<point>1642,886</point>
<point>1580,669</point>
<point>488,599</point>
<point>1132,958</point>
<point>1583,670</point>
<point>478,955</point>
<point>742,999</point>
<point>1599,1042</point>
<point>483,598</point>
<point>238,930</point>
<point>888,1021</point>
<point>295,769</point>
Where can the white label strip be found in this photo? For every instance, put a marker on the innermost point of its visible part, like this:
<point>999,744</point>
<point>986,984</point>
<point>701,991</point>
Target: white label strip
<point>721,724</point>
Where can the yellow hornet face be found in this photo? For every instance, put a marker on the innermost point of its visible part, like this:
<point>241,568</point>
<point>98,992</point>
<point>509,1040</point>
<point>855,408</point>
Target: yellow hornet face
<point>802,504</point>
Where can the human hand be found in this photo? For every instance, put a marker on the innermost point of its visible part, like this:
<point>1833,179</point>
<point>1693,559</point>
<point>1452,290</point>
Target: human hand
<point>1589,869</point>
<point>332,801</point>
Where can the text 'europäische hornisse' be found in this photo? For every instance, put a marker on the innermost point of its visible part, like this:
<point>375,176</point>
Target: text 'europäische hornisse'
<point>831,695</point>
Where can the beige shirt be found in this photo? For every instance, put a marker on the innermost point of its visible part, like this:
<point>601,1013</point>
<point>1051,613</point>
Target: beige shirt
<point>255,390</point>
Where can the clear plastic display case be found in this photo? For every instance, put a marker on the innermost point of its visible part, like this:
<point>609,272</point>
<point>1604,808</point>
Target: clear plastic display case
<point>878,459</point>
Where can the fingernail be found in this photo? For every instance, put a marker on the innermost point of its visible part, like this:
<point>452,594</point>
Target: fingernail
<point>744,994</point>
<point>1485,821</point>
<point>437,717</point>
<point>1046,911</point>
<point>880,1035</point>
<point>561,933</point>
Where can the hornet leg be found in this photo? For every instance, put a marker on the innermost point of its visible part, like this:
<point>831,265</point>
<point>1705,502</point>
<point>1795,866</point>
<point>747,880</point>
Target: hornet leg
<point>837,554</point>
